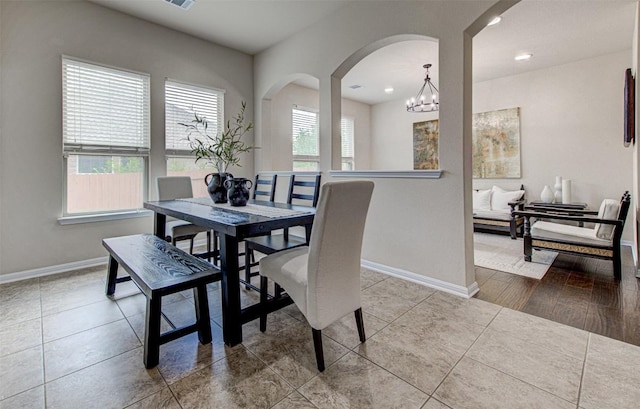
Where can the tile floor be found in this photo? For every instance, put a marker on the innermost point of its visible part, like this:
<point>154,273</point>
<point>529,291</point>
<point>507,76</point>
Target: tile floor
<point>63,344</point>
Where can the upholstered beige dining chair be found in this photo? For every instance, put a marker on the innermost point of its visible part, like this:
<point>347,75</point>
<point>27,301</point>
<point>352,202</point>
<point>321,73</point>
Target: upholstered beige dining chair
<point>179,187</point>
<point>323,279</point>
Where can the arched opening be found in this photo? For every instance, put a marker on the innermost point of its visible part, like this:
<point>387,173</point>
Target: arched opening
<point>375,82</point>
<point>289,132</point>
<point>559,133</point>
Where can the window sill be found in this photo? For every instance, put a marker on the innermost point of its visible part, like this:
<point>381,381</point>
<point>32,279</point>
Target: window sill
<point>104,217</point>
<point>412,174</point>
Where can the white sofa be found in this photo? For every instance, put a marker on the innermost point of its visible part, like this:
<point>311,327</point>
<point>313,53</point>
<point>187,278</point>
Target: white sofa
<point>493,210</point>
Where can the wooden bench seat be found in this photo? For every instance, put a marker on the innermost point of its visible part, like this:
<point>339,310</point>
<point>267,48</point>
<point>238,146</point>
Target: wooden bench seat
<point>158,269</point>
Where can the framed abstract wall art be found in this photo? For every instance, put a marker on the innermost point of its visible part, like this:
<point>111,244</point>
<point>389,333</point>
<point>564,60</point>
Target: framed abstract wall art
<point>496,144</point>
<point>425,145</point>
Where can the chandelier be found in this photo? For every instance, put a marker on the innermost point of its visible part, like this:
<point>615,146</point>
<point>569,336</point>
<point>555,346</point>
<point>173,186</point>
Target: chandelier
<point>422,102</point>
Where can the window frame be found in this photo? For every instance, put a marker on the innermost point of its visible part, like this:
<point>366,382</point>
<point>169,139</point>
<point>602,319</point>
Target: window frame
<point>105,150</point>
<point>306,158</point>
<point>348,159</point>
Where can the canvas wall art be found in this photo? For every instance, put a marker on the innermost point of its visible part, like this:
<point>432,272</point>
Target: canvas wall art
<point>425,145</point>
<point>496,144</point>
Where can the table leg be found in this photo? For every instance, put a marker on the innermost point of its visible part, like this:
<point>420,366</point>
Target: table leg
<point>231,320</point>
<point>160,222</point>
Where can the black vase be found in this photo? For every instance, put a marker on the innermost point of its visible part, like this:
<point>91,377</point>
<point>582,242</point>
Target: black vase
<point>238,191</point>
<point>215,186</point>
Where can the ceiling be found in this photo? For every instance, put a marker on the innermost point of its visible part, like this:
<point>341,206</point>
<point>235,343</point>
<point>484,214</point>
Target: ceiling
<point>555,32</point>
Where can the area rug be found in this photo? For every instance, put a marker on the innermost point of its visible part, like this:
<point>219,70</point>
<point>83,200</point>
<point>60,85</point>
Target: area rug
<point>504,254</point>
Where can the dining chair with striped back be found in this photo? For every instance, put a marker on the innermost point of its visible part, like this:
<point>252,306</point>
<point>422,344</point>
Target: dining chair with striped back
<point>303,191</point>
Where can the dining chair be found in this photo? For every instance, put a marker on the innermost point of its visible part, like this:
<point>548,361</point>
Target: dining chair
<point>265,188</point>
<point>303,191</point>
<point>323,278</point>
<point>179,187</point>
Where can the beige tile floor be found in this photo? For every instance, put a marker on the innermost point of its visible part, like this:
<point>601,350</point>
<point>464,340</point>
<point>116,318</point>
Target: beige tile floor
<point>63,344</point>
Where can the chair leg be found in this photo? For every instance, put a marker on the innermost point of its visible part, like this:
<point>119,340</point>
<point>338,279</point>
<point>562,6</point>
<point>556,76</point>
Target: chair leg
<point>317,344</point>
<point>209,245</point>
<point>617,264</point>
<point>191,244</point>
<point>360,324</point>
<point>264,284</point>
<point>216,249</point>
<point>247,269</point>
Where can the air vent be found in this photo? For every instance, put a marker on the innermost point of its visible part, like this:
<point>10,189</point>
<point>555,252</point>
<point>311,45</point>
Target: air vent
<point>356,86</point>
<point>183,4</point>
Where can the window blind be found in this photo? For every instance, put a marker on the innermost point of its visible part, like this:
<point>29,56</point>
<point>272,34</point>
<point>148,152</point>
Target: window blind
<point>305,132</point>
<point>104,108</point>
<point>346,130</point>
<point>181,101</point>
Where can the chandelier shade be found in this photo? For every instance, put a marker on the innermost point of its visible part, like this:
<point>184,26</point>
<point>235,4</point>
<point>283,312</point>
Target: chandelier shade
<point>428,98</point>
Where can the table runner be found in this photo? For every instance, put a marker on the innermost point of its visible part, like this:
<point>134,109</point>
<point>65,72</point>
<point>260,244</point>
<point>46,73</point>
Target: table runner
<point>255,209</point>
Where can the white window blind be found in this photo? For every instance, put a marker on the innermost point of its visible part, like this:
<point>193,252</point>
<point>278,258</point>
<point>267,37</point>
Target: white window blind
<point>346,129</point>
<point>181,101</point>
<point>305,132</point>
<point>104,108</point>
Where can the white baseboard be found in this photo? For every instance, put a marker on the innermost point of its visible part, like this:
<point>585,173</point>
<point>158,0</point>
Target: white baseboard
<point>634,251</point>
<point>46,271</point>
<point>466,292</point>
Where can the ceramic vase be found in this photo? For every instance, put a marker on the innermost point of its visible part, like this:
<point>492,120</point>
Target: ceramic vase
<point>238,191</point>
<point>566,191</point>
<point>547,194</point>
<point>558,190</point>
<point>215,186</point>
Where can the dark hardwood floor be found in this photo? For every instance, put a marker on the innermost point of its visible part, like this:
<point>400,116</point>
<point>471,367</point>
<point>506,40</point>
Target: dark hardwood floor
<point>576,291</point>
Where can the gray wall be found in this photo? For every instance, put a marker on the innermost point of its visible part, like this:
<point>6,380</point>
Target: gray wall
<point>33,37</point>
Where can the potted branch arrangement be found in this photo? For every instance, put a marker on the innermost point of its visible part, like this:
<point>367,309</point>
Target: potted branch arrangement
<point>221,150</point>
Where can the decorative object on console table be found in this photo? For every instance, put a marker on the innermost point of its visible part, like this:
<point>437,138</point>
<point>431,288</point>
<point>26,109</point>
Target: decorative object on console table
<point>547,194</point>
<point>566,191</point>
<point>220,150</point>
<point>557,194</point>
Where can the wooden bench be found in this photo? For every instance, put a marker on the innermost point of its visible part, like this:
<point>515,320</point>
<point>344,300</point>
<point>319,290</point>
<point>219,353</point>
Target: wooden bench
<point>160,269</point>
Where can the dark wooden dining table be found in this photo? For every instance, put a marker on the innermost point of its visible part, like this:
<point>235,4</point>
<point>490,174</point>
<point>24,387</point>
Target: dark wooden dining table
<point>232,225</point>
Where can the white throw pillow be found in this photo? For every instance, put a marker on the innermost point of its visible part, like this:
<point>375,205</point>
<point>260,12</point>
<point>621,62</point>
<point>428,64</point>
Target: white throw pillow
<point>482,199</point>
<point>500,198</point>
<point>609,209</point>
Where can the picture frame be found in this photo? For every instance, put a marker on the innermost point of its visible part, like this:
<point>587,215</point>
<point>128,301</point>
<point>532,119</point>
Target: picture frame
<point>629,108</point>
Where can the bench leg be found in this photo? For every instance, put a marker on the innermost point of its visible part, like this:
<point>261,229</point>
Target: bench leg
<point>202,314</point>
<point>112,273</point>
<point>152,332</point>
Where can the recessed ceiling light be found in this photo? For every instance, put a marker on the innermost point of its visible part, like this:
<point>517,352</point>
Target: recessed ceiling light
<point>388,90</point>
<point>355,86</point>
<point>495,21</point>
<point>523,57</point>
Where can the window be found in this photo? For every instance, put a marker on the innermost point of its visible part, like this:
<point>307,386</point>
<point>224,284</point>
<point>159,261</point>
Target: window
<point>306,151</point>
<point>346,131</point>
<point>105,120</point>
<point>181,102</point>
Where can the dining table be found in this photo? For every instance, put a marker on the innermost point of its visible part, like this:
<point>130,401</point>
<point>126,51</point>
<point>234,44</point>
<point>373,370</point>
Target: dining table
<point>234,224</point>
